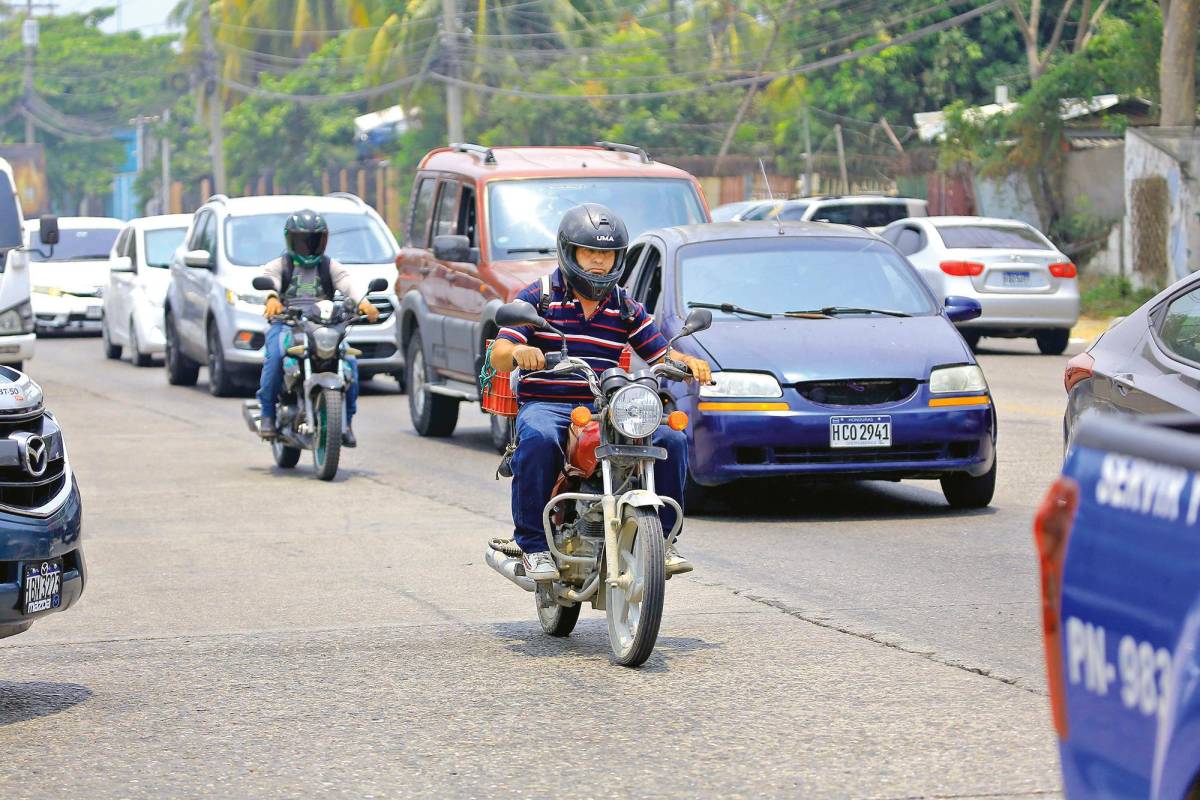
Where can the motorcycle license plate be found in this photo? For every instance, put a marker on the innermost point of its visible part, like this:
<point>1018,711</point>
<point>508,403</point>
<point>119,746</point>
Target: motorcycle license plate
<point>41,583</point>
<point>1017,278</point>
<point>865,431</point>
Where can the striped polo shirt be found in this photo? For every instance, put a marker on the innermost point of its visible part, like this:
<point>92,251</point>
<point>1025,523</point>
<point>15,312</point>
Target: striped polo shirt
<point>598,340</point>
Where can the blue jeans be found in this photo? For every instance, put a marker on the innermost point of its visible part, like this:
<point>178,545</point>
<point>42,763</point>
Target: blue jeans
<point>538,461</point>
<point>271,380</point>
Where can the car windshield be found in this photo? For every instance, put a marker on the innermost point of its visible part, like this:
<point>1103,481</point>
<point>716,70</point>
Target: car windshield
<point>251,241</point>
<point>161,245</point>
<point>993,236</point>
<point>74,244</point>
<point>524,215</point>
<point>760,211</point>
<point>793,274</point>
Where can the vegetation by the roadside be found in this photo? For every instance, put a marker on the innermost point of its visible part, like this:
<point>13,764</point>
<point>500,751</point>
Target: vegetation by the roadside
<point>1104,296</point>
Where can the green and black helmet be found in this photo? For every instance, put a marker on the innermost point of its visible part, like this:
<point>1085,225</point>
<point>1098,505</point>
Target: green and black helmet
<point>306,234</point>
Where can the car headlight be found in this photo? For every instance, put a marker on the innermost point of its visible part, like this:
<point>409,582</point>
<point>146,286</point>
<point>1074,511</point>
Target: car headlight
<point>17,320</point>
<point>326,341</point>
<point>251,298</point>
<point>742,384</point>
<point>53,291</point>
<point>957,379</point>
<point>636,411</point>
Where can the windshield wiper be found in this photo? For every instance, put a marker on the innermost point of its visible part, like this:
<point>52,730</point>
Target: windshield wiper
<point>833,311</point>
<point>544,250</point>
<point>730,308</point>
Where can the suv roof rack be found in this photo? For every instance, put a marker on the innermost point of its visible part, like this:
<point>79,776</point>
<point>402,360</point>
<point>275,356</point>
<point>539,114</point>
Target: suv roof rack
<point>348,196</point>
<point>218,198</point>
<point>617,147</point>
<point>485,153</point>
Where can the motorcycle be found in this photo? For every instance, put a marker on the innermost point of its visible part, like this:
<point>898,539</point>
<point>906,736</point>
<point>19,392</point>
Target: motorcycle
<point>310,413</point>
<point>602,521</point>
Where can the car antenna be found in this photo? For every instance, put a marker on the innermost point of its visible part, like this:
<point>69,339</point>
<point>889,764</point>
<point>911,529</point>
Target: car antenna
<point>770,195</point>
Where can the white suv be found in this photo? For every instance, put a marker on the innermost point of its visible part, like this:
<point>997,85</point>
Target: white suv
<point>213,316</point>
<point>871,211</point>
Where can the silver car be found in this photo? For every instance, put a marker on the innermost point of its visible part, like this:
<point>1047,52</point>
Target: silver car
<point>212,313</point>
<point>1026,285</point>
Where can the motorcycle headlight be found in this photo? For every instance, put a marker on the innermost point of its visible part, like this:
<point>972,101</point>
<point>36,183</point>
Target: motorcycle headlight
<point>742,384</point>
<point>946,380</point>
<point>326,342</point>
<point>636,411</point>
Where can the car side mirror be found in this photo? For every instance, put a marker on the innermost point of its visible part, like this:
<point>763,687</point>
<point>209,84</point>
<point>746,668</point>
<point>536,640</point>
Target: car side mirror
<point>376,285</point>
<point>961,309</point>
<point>518,312</point>
<point>48,228</point>
<point>264,284</point>
<point>451,247</point>
<point>200,259</point>
<point>699,319</point>
<point>122,264</point>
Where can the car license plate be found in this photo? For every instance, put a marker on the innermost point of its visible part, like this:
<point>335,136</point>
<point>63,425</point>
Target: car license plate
<point>10,349</point>
<point>93,312</point>
<point>1020,278</point>
<point>42,585</point>
<point>873,431</point>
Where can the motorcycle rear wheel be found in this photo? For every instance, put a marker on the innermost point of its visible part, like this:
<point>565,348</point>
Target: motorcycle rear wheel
<point>635,611</point>
<point>327,438</point>
<point>556,620</point>
<point>286,456</point>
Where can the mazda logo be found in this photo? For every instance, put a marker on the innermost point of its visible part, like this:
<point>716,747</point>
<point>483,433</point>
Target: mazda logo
<point>33,453</point>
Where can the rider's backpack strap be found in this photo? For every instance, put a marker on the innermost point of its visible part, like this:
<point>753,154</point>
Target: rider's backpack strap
<point>325,276</point>
<point>285,275</point>
<point>544,302</point>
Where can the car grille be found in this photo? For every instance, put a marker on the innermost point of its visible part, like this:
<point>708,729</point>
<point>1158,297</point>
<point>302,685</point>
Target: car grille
<point>375,349</point>
<point>19,489</point>
<point>871,392</point>
<point>826,455</point>
<point>384,304</point>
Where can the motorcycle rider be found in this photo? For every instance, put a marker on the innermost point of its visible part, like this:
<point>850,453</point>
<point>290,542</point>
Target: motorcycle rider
<point>304,275</point>
<point>599,319</point>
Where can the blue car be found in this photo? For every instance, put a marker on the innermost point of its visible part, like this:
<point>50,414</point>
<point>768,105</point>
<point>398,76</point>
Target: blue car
<point>41,556</point>
<point>1120,584</point>
<point>831,358</point>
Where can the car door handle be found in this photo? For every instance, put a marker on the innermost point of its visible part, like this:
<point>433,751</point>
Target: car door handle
<point>1123,381</point>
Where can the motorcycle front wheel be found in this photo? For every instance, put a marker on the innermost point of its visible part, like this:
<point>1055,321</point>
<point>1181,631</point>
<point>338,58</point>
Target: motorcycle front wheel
<point>635,607</point>
<point>327,436</point>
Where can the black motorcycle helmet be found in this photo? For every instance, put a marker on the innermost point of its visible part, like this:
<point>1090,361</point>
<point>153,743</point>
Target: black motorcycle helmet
<point>599,228</point>
<point>306,235</point>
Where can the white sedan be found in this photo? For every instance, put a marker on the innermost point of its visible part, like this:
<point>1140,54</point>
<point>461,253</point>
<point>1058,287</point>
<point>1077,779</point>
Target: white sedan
<point>139,272</point>
<point>1026,285</point>
<point>68,278</point>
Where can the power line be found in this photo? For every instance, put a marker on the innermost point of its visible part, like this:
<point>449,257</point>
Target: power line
<point>313,99</point>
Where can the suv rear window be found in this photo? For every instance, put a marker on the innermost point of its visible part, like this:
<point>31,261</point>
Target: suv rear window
<point>864,215</point>
<point>988,236</point>
<point>524,214</point>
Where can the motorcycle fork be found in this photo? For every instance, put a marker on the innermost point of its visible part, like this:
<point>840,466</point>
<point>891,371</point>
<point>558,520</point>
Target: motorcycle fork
<point>308,406</point>
<point>612,518</point>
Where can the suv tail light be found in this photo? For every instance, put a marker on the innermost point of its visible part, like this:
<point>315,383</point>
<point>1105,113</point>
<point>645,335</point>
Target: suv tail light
<point>1078,368</point>
<point>1064,270</point>
<point>1051,530</point>
<point>962,269</point>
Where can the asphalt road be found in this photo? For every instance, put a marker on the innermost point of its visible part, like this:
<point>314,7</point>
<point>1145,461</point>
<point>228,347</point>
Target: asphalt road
<point>248,632</point>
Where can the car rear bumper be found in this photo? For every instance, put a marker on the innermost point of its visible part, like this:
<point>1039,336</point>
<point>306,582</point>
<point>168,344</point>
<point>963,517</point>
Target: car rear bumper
<point>926,442</point>
<point>33,539</point>
<point>1025,312</point>
<point>18,347</point>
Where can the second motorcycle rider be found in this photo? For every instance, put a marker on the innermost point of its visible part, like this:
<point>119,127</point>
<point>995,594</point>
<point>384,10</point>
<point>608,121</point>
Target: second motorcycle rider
<point>303,274</point>
<point>598,318</point>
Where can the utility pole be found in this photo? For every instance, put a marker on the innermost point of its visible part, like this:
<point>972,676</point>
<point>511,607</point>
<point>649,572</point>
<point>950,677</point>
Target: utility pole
<point>454,99</point>
<point>216,136</point>
<point>164,146</point>
<point>29,36</point>
<point>808,170</point>
<point>837,133</point>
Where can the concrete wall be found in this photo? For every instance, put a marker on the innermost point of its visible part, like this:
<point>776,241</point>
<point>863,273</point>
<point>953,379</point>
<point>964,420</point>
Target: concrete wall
<point>1172,156</point>
<point>1007,198</point>
<point>1094,182</point>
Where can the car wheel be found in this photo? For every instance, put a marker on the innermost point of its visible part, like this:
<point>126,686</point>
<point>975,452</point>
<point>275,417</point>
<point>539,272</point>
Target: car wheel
<point>181,370</point>
<point>1054,343</point>
<point>136,356</point>
<point>220,382</point>
<point>968,491</point>
<point>111,350</point>
<point>972,340</point>
<point>432,414</point>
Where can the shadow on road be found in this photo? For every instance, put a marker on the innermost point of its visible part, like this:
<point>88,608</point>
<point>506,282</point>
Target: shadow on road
<point>589,642</point>
<point>24,701</point>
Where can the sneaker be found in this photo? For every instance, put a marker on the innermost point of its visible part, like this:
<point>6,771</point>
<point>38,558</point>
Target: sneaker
<point>348,439</point>
<point>676,563</point>
<point>540,566</point>
<point>266,427</point>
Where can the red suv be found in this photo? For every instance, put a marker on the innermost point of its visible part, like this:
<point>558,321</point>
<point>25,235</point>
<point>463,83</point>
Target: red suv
<point>482,227</point>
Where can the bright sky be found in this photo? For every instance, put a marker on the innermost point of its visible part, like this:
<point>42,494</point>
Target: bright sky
<point>148,16</point>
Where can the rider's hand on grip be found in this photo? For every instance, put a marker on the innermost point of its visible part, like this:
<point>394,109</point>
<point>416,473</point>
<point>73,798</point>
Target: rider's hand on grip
<point>529,358</point>
<point>701,371</point>
<point>369,311</point>
<point>273,307</point>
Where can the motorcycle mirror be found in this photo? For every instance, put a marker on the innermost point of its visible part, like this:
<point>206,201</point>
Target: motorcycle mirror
<point>700,319</point>
<point>378,285</point>
<point>518,312</point>
<point>263,283</point>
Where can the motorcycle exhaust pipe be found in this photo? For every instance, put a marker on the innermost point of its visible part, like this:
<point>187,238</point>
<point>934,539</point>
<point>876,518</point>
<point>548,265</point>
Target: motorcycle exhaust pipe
<point>507,566</point>
<point>252,412</point>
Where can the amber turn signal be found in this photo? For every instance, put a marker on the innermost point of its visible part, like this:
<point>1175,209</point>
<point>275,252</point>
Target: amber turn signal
<point>580,416</point>
<point>677,420</point>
